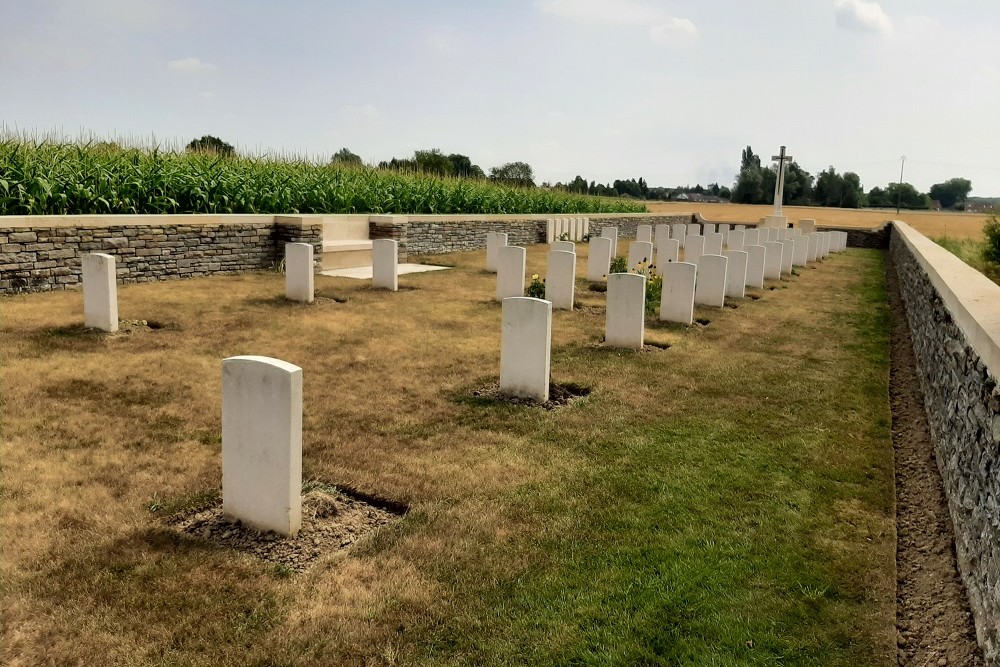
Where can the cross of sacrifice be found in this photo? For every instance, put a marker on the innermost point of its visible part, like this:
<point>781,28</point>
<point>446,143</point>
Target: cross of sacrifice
<point>779,184</point>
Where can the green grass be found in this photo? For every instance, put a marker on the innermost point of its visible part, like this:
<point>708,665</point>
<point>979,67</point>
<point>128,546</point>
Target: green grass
<point>971,251</point>
<point>724,502</point>
<point>51,178</point>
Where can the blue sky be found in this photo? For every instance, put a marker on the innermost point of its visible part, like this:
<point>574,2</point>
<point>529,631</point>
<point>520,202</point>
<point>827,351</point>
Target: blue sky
<point>668,90</point>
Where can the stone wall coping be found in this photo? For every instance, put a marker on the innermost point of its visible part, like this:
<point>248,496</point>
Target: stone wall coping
<point>972,299</point>
<point>15,221</point>
<point>537,216</point>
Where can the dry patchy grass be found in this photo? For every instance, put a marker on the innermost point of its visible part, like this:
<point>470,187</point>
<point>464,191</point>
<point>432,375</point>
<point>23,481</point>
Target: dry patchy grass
<point>929,223</point>
<point>724,501</point>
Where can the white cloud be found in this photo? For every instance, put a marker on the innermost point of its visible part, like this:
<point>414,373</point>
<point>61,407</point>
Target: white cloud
<point>189,65</point>
<point>662,26</point>
<point>444,40</point>
<point>673,31</point>
<point>862,16</point>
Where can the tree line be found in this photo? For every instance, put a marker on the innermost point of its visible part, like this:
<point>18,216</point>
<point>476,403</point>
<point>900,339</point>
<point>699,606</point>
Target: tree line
<point>754,183</point>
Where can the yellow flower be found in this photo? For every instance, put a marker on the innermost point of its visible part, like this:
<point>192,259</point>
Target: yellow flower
<point>534,276</point>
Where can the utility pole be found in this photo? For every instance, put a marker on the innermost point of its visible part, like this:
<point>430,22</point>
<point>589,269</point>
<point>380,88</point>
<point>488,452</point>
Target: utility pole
<point>899,189</point>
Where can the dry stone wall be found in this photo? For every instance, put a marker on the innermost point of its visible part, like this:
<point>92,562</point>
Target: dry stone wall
<point>47,257</point>
<point>962,400</point>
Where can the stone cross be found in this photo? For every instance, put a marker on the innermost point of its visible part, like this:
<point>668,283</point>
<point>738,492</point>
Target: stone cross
<point>779,184</point>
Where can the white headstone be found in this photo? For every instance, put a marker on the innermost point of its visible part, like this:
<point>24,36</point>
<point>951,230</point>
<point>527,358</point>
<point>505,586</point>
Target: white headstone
<point>826,244</point>
<point>800,256</point>
<point>639,252</point>
<point>844,239</point>
<point>724,228</point>
<point>755,265</point>
<point>598,258</point>
<point>752,237</point>
<point>813,252</point>
<point>807,226</point>
<point>262,443</point>
<point>710,289</point>
<point>385,264</point>
<point>560,280</point>
<point>494,241</point>
<point>611,233</point>
<point>510,272</point>
<point>740,228</point>
<point>713,243</point>
<point>660,233</point>
<point>693,229</point>
<point>100,292</point>
<point>694,249</point>
<point>526,347</point>
<point>787,254</point>
<point>564,246</point>
<point>772,234</point>
<point>644,233</point>
<point>736,240</point>
<point>299,272</point>
<point>772,260</point>
<point>679,231</point>
<point>677,297</point>
<point>550,230</point>
<point>708,228</point>
<point>736,274</point>
<point>626,312</point>
<point>668,250</point>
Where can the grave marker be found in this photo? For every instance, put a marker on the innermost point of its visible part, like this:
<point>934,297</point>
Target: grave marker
<point>668,250</point>
<point>800,256</point>
<point>755,265</point>
<point>510,272</point>
<point>560,280</point>
<point>100,292</point>
<point>644,233</point>
<point>526,347</point>
<point>736,274</point>
<point>736,240</point>
<point>626,311</point>
<point>385,264</point>
<point>695,248</point>
<point>752,237</point>
<point>494,241</point>
<point>772,260</point>
<point>639,251</point>
<point>660,233</point>
<point>679,231</point>
<point>677,297</point>
<point>598,258</point>
<point>708,228</point>
<point>713,244</point>
<point>564,246</point>
<point>611,233</point>
<point>262,443</point>
<point>710,290</point>
<point>813,252</point>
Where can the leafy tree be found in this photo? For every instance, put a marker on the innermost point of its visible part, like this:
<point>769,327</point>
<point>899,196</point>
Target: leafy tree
<point>879,198</point>
<point>798,186</point>
<point>907,196</point>
<point>725,192</point>
<point>345,156</point>
<point>433,161</point>
<point>399,164</point>
<point>749,187</point>
<point>991,250</point>
<point>749,160</point>
<point>462,167</point>
<point>210,144</point>
<point>951,192</point>
<point>514,173</point>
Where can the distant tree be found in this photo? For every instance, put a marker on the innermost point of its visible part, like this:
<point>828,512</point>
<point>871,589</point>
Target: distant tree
<point>879,198</point>
<point>951,192</point>
<point>749,160</point>
<point>908,196</point>
<point>433,161</point>
<point>578,185</point>
<point>725,193</point>
<point>462,167</point>
<point>798,186</point>
<point>514,173</point>
<point>345,156</point>
<point>749,187</point>
<point>210,144</point>
<point>399,164</point>
<point>854,193</point>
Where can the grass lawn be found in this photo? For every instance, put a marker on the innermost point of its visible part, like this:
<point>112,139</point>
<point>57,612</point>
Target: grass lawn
<point>726,501</point>
<point>970,251</point>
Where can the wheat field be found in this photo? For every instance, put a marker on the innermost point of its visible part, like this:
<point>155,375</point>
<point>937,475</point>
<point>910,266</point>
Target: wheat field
<point>933,224</point>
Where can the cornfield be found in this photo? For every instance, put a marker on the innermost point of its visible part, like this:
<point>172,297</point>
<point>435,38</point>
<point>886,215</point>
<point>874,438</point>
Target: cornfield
<point>65,178</point>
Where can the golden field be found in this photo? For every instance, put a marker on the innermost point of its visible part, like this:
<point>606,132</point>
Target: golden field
<point>933,224</point>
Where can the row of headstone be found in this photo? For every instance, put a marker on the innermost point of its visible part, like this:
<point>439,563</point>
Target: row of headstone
<point>299,273</point>
<point>573,229</point>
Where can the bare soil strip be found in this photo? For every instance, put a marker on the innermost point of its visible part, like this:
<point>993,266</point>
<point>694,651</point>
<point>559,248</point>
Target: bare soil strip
<point>933,621</point>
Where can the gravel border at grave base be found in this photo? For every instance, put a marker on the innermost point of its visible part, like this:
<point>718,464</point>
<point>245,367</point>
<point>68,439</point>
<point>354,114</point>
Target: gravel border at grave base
<point>933,621</point>
<point>560,395</point>
<point>331,522</point>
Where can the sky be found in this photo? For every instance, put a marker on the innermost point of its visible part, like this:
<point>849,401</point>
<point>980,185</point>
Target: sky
<point>669,90</point>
